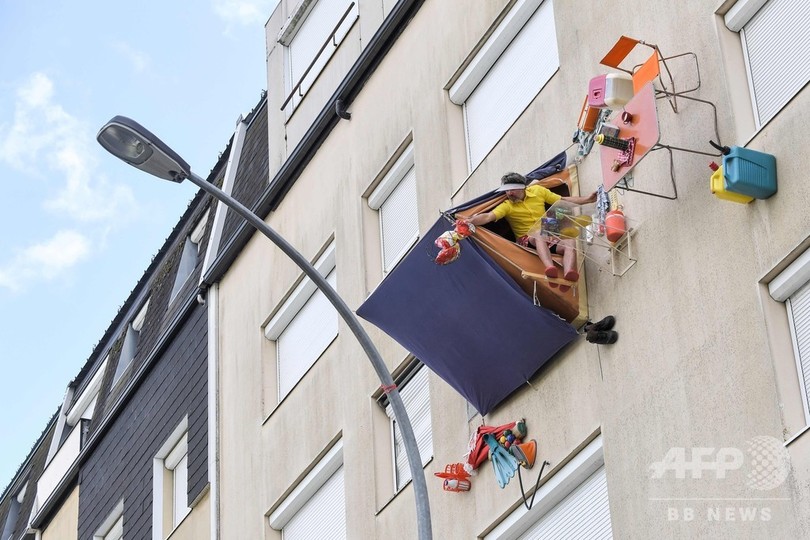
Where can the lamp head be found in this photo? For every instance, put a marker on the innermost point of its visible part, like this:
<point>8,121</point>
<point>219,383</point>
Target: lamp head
<point>129,141</point>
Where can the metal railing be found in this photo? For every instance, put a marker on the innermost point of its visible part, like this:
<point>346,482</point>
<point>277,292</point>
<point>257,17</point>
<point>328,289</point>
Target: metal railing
<point>331,37</point>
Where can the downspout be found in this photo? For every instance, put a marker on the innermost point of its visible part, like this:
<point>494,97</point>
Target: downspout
<point>212,300</point>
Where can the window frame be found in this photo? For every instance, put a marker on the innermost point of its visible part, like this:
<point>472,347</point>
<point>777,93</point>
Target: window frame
<point>734,21</point>
<point>167,459</point>
<point>13,514</point>
<point>129,349</point>
<point>112,528</point>
<point>190,256</point>
<point>84,406</point>
<point>296,90</point>
<point>781,289</point>
<point>320,473</point>
<point>403,166</point>
<point>486,55</point>
<point>574,473</point>
<point>294,303</point>
<point>411,372</point>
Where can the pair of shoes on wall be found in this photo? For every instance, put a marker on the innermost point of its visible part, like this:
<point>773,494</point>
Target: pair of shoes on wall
<point>603,337</point>
<point>605,324</point>
<point>602,332</point>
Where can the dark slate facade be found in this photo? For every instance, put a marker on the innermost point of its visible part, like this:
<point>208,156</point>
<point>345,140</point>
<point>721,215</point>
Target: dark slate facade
<point>253,173</point>
<point>166,381</point>
<point>28,473</point>
<point>120,466</point>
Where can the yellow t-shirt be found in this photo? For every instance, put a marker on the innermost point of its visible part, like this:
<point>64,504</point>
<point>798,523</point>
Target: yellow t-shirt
<point>523,214</point>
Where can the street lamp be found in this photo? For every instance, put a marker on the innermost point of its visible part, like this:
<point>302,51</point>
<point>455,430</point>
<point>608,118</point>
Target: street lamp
<point>129,141</point>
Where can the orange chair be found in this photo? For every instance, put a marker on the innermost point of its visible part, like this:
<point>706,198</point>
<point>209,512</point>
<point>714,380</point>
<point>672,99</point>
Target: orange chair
<point>649,70</point>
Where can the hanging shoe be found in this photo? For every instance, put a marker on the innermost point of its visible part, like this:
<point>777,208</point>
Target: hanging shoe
<point>605,337</point>
<point>600,326</point>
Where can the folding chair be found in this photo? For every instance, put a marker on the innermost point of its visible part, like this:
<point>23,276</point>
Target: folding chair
<point>649,70</point>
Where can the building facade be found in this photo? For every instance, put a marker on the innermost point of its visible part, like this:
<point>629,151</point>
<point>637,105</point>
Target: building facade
<point>378,116</point>
<point>413,107</point>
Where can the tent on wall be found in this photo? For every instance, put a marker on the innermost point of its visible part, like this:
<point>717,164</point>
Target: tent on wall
<point>471,322</point>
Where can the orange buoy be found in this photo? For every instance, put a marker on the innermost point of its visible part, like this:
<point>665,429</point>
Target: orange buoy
<point>615,225</point>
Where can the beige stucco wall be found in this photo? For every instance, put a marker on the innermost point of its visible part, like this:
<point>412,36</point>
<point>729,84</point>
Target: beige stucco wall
<point>197,524</point>
<point>698,363</point>
<point>65,523</point>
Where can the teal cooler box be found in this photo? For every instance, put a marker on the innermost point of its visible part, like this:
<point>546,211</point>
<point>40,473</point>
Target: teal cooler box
<point>749,172</point>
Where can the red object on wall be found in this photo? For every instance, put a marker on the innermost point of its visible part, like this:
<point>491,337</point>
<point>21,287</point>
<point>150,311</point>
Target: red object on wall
<point>615,225</point>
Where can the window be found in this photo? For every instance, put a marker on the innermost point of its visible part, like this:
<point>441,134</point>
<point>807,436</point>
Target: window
<point>130,346</point>
<point>571,504</point>
<point>316,508</point>
<point>83,408</point>
<point>792,286</point>
<point>13,512</point>
<point>188,260</point>
<point>304,326</point>
<point>506,74</point>
<point>773,34</point>
<point>113,527</point>
<point>394,199</point>
<point>170,483</point>
<point>416,397</point>
<point>310,36</point>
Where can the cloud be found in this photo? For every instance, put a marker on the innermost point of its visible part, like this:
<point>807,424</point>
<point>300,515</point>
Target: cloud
<point>43,133</point>
<point>139,60</point>
<point>45,261</point>
<point>244,12</point>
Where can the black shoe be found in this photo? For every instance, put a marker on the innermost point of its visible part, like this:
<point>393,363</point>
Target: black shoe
<point>600,326</point>
<point>606,337</point>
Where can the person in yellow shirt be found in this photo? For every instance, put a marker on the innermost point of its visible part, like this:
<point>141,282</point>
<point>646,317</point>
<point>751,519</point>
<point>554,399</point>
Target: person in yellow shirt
<point>523,207</point>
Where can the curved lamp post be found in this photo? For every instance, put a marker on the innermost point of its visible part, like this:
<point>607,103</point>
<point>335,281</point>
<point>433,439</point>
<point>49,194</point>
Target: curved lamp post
<point>132,143</point>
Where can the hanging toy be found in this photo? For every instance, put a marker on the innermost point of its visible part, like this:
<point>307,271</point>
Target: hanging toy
<point>450,249</point>
<point>448,241</point>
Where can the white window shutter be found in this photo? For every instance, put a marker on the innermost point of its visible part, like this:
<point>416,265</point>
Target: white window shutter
<point>799,317</point>
<point>399,221</point>
<point>305,338</point>
<point>583,513</point>
<point>323,515</point>
<point>511,83</point>
<point>776,42</point>
<point>416,398</point>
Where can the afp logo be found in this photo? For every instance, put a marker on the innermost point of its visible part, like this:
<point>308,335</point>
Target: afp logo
<point>765,462</point>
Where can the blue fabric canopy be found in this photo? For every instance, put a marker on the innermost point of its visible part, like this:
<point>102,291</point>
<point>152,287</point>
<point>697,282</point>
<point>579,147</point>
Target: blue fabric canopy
<point>468,321</point>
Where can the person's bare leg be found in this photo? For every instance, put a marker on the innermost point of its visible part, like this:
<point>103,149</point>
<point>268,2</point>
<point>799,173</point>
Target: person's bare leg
<point>569,253</point>
<point>543,252</point>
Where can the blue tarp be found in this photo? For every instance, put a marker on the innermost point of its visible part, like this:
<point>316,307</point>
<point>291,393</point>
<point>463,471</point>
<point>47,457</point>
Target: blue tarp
<point>468,321</point>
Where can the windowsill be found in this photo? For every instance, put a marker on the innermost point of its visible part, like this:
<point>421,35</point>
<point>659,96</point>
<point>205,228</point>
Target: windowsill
<point>771,119</point>
<point>176,527</point>
<point>395,495</point>
<point>283,399</point>
<point>797,436</point>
